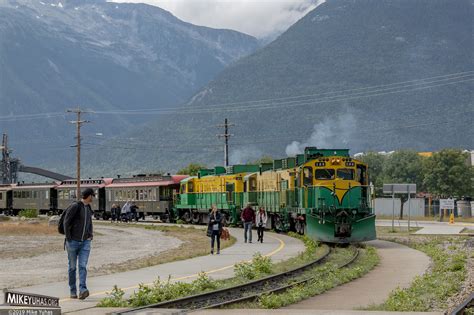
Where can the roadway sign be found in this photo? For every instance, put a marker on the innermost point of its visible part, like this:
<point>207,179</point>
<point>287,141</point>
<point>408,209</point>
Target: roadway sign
<point>447,204</point>
<point>399,188</point>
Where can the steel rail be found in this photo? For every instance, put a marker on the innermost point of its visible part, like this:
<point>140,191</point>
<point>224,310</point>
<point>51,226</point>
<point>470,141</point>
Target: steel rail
<point>218,298</point>
<point>467,303</point>
<point>278,289</point>
<point>206,300</point>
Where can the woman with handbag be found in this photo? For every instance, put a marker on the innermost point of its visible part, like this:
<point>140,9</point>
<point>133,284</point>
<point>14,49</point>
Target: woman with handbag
<point>261,221</point>
<point>214,228</point>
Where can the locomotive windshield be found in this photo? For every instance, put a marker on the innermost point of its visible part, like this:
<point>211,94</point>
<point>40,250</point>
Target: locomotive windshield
<point>325,174</point>
<point>345,173</point>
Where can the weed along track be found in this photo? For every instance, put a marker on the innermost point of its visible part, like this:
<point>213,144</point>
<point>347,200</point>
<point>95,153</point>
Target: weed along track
<point>251,290</point>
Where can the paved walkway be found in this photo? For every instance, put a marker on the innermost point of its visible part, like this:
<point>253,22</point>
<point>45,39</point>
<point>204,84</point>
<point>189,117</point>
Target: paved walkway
<point>398,266</point>
<point>279,247</point>
<point>428,227</point>
<point>303,312</point>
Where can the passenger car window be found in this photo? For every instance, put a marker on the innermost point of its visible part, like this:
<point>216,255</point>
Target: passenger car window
<point>345,173</point>
<point>324,174</point>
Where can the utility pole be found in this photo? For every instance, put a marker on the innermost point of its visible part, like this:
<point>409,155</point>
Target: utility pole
<point>226,137</point>
<point>5,171</point>
<point>79,124</point>
<point>9,166</point>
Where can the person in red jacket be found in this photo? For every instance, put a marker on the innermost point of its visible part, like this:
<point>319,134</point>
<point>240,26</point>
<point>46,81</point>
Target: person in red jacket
<point>248,217</point>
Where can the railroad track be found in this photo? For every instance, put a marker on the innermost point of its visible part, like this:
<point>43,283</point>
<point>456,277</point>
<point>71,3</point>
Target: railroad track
<point>244,292</point>
<point>467,304</point>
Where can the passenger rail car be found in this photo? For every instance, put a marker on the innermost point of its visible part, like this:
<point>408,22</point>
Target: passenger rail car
<point>6,198</point>
<point>40,197</point>
<point>66,193</point>
<point>153,194</point>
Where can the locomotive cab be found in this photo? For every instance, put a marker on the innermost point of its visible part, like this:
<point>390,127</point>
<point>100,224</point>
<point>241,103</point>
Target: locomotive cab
<point>335,193</point>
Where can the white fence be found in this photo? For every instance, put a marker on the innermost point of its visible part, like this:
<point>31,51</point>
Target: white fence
<point>419,208</point>
<point>384,206</point>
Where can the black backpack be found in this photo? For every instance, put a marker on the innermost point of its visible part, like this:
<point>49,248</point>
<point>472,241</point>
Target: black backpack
<point>61,218</point>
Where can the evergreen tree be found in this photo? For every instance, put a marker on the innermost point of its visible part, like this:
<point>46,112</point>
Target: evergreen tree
<point>449,174</point>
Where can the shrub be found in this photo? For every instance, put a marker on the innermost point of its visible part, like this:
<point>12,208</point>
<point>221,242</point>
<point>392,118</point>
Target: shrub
<point>28,213</point>
<point>260,265</point>
<point>244,270</point>
<point>159,291</point>
<point>115,299</point>
<point>203,282</point>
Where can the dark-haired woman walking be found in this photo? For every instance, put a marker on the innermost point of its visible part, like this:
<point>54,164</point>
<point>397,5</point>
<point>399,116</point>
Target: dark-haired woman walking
<point>214,228</point>
<point>261,220</point>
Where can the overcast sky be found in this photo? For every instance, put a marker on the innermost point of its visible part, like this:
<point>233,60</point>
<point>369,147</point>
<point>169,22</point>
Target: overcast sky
<point>259,18</point>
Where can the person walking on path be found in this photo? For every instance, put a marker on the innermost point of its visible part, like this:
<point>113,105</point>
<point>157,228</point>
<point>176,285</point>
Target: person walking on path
<point>78,231</point>
<point>261,221</point>
<point>248,217</point>
<point>214,229</point>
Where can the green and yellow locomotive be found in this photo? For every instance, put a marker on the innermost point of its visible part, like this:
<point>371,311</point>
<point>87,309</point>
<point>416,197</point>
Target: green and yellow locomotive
<point>323,193</point>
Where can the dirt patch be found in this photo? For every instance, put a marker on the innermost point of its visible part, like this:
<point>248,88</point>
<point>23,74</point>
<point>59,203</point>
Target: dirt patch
<point>35,258</point>
<point>115,248</point>
<point>194,243</point>
<point>27,228</point>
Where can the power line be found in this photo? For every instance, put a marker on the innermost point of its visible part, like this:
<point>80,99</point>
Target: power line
<point>333,99</point>
<point>276,138</point>
<point>371,91</point>
<point>435,78</point>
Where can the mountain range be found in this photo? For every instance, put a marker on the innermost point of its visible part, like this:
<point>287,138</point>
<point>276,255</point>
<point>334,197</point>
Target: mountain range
<point>104,57</point>
<point>359,74</point>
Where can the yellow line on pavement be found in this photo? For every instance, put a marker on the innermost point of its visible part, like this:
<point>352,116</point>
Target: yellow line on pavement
<point>277,250</point>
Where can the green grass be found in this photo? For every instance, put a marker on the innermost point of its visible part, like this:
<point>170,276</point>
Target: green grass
<point>259,267</point>
<point>159,291</point>
<point>468,231</point>
<point>431,291</point>
<point>328,276</point>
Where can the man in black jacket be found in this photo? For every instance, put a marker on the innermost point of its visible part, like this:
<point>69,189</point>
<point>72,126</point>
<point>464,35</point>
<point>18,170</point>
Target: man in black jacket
<point>78,231</point>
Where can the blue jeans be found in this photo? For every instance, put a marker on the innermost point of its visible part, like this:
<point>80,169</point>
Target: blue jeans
<point>248,227</point>
<point>78,251</point>
<point>215,236</point>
